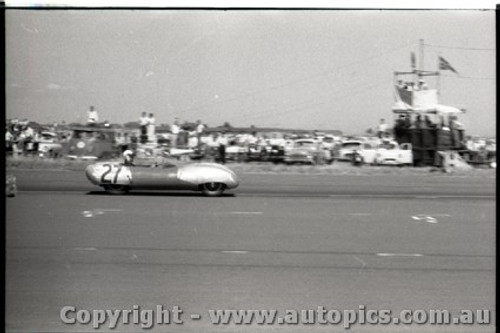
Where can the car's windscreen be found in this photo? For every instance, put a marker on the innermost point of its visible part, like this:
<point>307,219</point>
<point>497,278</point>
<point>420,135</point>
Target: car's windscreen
<point>351,145</point>
<point>303,144</point>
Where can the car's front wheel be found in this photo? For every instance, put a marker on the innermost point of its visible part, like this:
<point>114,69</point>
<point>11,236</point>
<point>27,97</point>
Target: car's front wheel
<point>116,189</point>
<point>213,189</point>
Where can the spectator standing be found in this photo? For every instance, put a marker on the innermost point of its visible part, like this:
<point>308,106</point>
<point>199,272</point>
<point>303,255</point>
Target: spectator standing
<point>454,123</point>
<point>143,123</point>
<point>222,142</point>
<point>9,139</point>
<point>422,85</point>
<point>151,128</point>
<point>28,135</point>
<point>418,122</point>
<point>92,116</point>
<point>175,129</point>
<point>15,128</point>
<point>200,128</point>
<point>193,141</point>
<point>36,141</point>
<point>182,138</point>
<point>428,122</point>
<point>382,128</point>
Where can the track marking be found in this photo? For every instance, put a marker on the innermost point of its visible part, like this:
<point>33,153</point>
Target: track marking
<point>425,218</point>
<point>85,249</point>
<point>98,211</point>
<point>411,196</point>
<point>429,218</point>
<point>399,254</point>
<point>87,213</point>
<point>363,264</point>
<point>359,260</point>
<point>235,252</point>
<point>246,213</point>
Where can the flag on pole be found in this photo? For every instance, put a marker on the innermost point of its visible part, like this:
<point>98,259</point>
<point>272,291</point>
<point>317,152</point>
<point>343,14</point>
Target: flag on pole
<point>445,65</point>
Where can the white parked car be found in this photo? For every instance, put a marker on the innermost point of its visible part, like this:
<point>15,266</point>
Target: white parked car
<point>49,144</point>
<point>366,149</point>
<point>384,153</point>
<point>391,153</point>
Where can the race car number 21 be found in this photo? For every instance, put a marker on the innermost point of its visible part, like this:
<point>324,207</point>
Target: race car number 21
<point>115,174</point>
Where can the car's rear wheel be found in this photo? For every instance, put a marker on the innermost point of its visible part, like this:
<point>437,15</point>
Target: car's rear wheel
<point>116,189</point>
<point>213,189</point>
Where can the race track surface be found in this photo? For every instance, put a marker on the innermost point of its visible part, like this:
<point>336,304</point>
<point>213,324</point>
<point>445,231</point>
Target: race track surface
<point>276,242</point>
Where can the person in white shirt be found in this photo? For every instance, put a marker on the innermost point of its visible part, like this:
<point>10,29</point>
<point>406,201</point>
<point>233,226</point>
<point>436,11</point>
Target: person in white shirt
<point>199,131</point>
<point>175,129</point>
<point>151,128</point>
<point>92,116</point>
<point>382,128</point>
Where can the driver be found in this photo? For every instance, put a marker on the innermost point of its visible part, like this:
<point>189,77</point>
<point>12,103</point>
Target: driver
<point>130,153</point>
<point>128,156</point>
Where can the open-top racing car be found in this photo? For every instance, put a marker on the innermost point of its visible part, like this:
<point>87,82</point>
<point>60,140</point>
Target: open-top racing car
<point>117,178</point>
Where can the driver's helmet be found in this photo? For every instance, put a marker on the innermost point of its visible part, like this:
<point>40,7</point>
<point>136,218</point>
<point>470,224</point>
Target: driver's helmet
<point>128,155</point>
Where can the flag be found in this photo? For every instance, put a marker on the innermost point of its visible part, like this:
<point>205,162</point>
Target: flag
<point>413,61</point>
<point>443,64</point>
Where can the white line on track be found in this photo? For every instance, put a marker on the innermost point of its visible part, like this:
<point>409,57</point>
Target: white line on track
<point>235,252</point>
<point>246,213</point>
<point>456,196</point>
<point>412,196</point>
<point>363,264</point>
<point>85,249</point>
<point>430,214</point>
<point>98,211</point>
<point>399,254</point>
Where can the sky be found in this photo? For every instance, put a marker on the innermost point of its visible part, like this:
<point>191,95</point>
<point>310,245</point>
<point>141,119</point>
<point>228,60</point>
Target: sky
<point>302,69</point>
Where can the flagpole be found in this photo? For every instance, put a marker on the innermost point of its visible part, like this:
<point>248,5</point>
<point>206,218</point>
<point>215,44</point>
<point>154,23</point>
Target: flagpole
<point>438,75</point>
<point>421,57</point>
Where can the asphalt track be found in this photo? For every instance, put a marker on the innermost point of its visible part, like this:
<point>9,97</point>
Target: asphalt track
<point>277,242</point>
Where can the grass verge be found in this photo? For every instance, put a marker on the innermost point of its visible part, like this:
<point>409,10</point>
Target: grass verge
<point>337,168</point>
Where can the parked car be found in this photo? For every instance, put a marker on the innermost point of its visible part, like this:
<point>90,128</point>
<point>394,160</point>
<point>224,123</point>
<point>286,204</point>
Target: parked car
<point>49,144</point>
<point>346,149</point>
<point>307,151</point>
<point>91,143</point>
<point>383,153</point>
<point>391,153</point>
<point>273,153</point>
<point>235,153</point>
<point>255,152</point>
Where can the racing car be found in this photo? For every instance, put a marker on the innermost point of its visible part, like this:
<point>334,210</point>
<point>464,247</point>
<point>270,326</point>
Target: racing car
<point>117,178</point>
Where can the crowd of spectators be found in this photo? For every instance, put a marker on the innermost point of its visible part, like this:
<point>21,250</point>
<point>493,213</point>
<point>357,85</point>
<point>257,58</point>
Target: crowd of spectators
<point>25,137</point>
